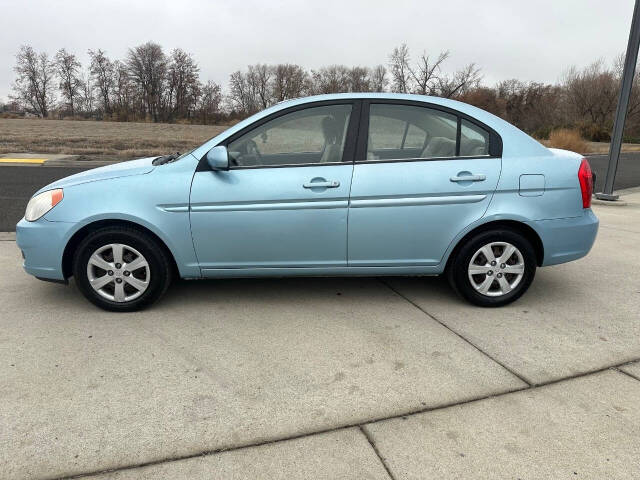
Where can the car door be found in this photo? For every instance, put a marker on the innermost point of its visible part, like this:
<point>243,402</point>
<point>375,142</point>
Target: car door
<point>283,202</point>
<point>422,174</point>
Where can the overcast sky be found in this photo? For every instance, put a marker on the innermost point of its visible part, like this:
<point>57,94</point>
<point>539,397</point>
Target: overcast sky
<point>529,40</point>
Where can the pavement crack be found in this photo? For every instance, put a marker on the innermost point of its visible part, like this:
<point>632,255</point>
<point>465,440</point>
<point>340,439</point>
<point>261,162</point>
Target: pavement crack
<point>369,438</point>
<point>624,372</point>
<point>466,340</point>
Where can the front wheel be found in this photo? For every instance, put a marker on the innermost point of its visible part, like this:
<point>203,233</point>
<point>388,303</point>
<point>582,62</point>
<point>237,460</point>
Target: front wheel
<point>121,269</point>
<point>493,268</point>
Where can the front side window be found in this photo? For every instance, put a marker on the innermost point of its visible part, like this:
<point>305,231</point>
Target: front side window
<point>308,136</point>
<point>406,131</point>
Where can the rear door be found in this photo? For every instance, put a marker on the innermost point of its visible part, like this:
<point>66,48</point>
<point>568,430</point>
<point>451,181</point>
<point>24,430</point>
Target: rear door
<point>422,174</point>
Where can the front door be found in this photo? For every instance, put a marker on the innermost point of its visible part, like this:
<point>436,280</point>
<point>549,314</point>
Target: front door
<point>421,177</point>
<point>283,203</point>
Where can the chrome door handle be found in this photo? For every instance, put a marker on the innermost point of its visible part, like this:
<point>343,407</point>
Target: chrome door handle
<point>333,184</point>
<point>469,178</point>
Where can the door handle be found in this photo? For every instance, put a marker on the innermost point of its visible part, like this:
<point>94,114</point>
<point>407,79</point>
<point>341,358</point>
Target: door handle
<point>469,178</point>
<point>332,184</point>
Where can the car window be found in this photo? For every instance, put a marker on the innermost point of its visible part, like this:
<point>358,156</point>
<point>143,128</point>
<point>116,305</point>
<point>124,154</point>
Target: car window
<point>474,140</point>
<point>415,138</point>
<point>312,135</point>
<point>407,131</point>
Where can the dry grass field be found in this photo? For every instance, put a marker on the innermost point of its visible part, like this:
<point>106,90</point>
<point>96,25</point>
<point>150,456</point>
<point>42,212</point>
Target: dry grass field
<point>122,141</point>
<point>101,140</point>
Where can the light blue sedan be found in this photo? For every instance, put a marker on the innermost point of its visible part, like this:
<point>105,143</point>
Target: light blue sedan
<point>349,184</point>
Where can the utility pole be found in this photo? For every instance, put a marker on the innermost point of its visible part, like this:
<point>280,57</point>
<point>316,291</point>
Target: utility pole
<point>630,61</point>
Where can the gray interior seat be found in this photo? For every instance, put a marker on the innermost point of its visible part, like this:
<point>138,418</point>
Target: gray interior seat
<point>439,147</point>
<point>332,146</point>
<point>332,153</point>
<point>473,148</point>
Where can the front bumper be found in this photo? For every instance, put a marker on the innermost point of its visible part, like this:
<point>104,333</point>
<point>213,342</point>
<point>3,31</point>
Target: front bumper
<point>567,239</point>
<point>42,244</point>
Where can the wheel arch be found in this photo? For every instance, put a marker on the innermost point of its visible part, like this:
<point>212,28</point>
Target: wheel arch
<point>519,226</point>
<point>76,238</point>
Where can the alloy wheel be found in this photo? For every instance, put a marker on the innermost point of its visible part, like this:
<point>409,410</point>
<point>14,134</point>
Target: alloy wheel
<point>496,269</point>
<point>118,272</point>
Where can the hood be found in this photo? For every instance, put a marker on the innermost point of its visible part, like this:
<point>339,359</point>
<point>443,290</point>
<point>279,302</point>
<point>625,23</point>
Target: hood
<point>123,169</point>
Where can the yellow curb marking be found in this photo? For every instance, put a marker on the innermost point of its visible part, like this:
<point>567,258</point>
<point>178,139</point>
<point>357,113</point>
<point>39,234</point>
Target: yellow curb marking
<point>23,160</point>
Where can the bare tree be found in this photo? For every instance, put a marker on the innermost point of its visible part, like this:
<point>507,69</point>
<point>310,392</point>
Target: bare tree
<point>400,69</point>
<point>426,73</point>
<point>289,81</point>
<point>242,96</point>
<point>87,95</point>
<point>102,76</point>
<point>532,106</point>
<point>592,92</point>
<point>634,100</point>
<point>359,79</point>
<point>210,102</point>
<point>379,79</point>
<point>259,78</point>
<point>68,70</point>
<point>331,79</point>
<point>460,82</point>
<point>147,66</point>
<point>183,83</point>
<point>123,91</point>
<point>33,87</point>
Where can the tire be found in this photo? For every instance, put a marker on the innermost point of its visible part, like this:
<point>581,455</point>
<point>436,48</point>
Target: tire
<point>484,288</point>
<point>96,271</point>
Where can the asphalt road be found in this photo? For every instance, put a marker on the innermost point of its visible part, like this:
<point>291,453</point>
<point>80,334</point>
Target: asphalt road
<point>17,183</point>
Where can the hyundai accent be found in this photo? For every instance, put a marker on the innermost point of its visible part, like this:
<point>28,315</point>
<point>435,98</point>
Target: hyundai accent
<point>345,184</point>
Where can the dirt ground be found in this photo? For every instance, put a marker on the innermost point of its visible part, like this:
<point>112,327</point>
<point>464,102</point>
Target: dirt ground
<point>101,140</point>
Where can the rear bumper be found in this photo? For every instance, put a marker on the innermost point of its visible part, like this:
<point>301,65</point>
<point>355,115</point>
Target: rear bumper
<point>567,239</point>
<point>42,244</point>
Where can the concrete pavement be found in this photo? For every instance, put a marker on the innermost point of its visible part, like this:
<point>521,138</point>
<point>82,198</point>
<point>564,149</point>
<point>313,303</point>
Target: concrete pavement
<point>342,454</point>
<point>329,378</point>
<point>632,369</point>
<point>587,427</point>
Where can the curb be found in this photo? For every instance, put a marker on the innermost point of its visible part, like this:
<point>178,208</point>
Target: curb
<point>52,160</point>
<point>609,203</point>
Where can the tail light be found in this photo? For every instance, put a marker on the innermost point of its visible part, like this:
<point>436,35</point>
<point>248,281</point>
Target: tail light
<point>586,182</point>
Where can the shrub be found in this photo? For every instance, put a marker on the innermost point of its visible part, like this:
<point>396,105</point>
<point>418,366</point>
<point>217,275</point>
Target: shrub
<point>595,132</point>
<point>568,140</point>
<point>542,132</point>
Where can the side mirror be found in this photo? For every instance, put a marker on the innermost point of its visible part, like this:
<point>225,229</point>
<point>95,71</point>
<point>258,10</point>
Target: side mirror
<point>218,158</point>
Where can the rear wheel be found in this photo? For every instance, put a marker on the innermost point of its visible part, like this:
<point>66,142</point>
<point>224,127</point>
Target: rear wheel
<point>493,268</point>
<point>121,269</point>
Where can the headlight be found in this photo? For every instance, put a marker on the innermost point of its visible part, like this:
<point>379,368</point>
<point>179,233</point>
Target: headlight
<point>42,203</point>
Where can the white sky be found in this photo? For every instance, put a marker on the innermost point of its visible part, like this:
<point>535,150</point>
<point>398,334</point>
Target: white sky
<point>529,40</point>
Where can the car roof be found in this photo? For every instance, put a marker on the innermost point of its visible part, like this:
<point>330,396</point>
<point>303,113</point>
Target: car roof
<point>515,142</point>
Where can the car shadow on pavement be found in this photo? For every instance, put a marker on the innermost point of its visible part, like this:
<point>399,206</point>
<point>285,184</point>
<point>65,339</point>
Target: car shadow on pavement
<point>212,291</point>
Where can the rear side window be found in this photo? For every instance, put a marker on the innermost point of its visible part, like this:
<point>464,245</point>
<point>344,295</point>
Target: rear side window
<point>398,132</point>
<point>474,140</point>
